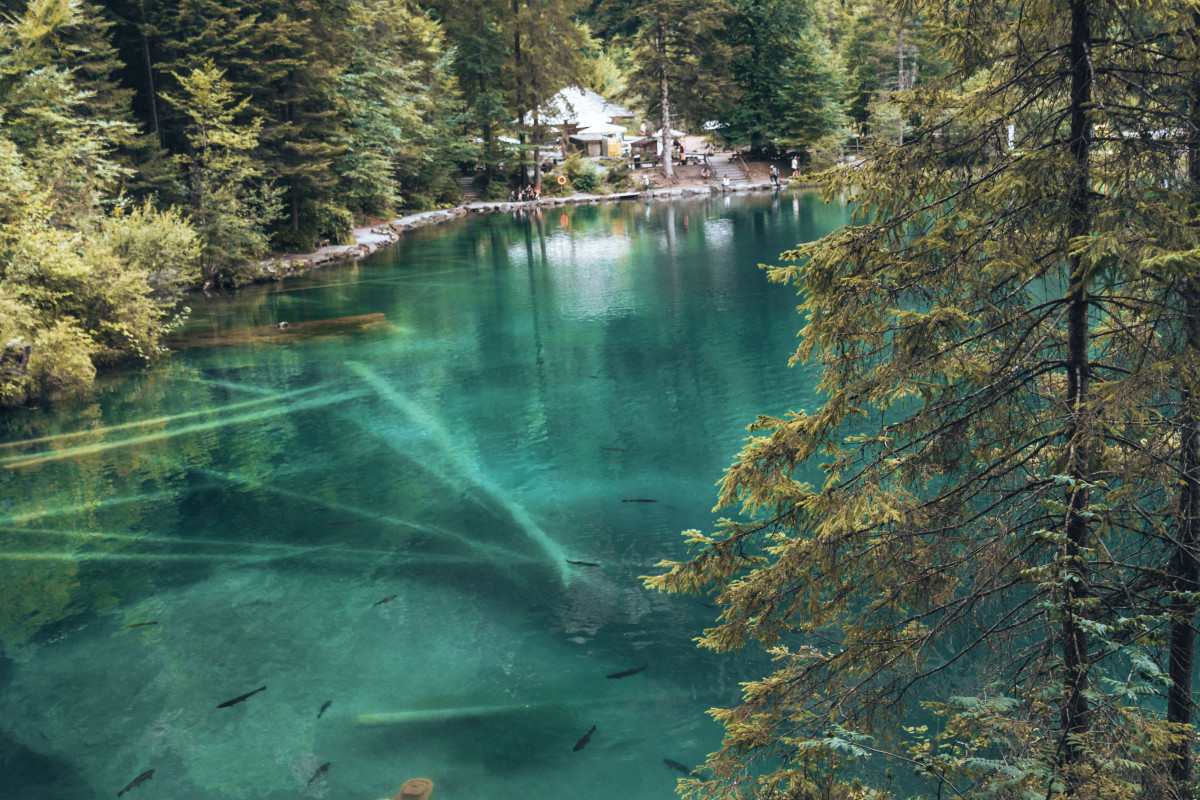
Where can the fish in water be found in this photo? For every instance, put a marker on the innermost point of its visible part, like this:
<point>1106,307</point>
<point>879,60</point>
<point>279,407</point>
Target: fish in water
<point>388,599</point>
<point>627,673</point>
<point>142,624</point>
<point>328,703</point>
<point>582,563</point>
<point>321,770</point>
<point>345,521</point>
<point>241,697</point>
<point>639,500</point>
<point>675,765</point>
<point>582,742</point>
<point>138,781</point>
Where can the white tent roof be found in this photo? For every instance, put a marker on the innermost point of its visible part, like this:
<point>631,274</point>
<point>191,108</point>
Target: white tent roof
<point>582,107</point>
<point>603,128</point>
<point>677,134</point>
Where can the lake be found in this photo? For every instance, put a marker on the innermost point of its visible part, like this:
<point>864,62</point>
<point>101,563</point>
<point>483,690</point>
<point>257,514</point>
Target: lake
<point>373,513</point>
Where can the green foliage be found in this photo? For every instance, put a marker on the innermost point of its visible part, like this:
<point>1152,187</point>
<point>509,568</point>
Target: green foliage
<point>159,244</point>
<point>587,181</point>
<point>682,61</point>
<point>574,166</point>
<point>319,222</point>
<point>231,206</point>
<point>1003,465</point>
<point>789,79</point>
<point>75,287</point>
<point>618,176</point>
<point>60,365</point>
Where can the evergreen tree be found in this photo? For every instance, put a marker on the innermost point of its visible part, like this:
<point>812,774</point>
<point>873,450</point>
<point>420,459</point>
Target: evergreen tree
<point>993,337</point>
<point>475,32</point>
<point>682,63</point>
<point>401,110</point>
<point>295,79</point>
<point>547,50</point>
<point>789,80</point>
<point>231,205</point>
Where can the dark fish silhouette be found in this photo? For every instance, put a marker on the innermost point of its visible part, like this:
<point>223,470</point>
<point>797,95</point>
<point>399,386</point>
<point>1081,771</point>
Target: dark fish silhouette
<point>675,765</point>
<point>142,624</point>
<point>328,703</point>
<point>639,500</point>
<point>321,770</point>
<point>582,742</point>
<point>240,698</point>
<point>627,673</point>
<point>582,563</point>
<point>384,600</point>
<point>138,781</point>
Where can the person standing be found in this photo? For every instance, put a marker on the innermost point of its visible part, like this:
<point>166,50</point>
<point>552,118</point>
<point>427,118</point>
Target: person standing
<point>795,167</point>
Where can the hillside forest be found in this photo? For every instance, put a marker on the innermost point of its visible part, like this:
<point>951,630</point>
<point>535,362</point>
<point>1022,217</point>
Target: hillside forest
<point>149,146</point>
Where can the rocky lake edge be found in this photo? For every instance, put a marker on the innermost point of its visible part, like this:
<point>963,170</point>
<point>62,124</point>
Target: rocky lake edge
<point>372,238</point>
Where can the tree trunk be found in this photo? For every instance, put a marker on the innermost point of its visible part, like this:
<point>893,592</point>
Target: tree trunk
<point>900,75</point>
<point>1185,561</point>
<point>519,88</point>
<point>487,136</point>
<point>149,76</point>
<point>1075,641</point>
<point>294,197</point>
<point>661,47</point>
<point>537,154</point>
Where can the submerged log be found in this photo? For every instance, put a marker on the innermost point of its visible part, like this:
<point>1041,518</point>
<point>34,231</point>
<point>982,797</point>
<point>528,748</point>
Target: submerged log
<point>280,332</point>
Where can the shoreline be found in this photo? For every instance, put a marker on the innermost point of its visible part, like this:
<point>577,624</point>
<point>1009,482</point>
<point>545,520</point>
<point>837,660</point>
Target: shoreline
<point>372,238</point>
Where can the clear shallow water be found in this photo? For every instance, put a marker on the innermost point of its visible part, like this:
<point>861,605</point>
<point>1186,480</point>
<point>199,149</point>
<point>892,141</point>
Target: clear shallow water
<point>379,514</point>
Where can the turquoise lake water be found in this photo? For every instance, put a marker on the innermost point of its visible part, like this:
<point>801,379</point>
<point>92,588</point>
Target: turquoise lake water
<point>377,514</point>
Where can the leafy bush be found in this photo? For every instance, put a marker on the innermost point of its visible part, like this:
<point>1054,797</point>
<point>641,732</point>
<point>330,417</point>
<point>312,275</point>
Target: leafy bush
<point>619,176</point>
<point>495,190</point>
<point>160,244</point>
<point>581,173</point>
<point>574,166</point>
<point>588,181</point>
<point>60,362</point>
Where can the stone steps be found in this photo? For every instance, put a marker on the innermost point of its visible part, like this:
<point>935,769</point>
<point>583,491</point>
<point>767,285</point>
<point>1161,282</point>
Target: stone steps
<point>467,182</point>
<point>730,168</point>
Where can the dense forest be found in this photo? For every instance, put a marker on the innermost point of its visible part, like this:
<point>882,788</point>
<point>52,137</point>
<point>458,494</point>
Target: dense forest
<point>1008,337</point>
<point>148,146</point>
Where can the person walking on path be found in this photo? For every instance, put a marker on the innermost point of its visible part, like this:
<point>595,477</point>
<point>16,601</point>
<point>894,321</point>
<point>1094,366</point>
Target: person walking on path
<point>795,167</point>
<point>775,176</point>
